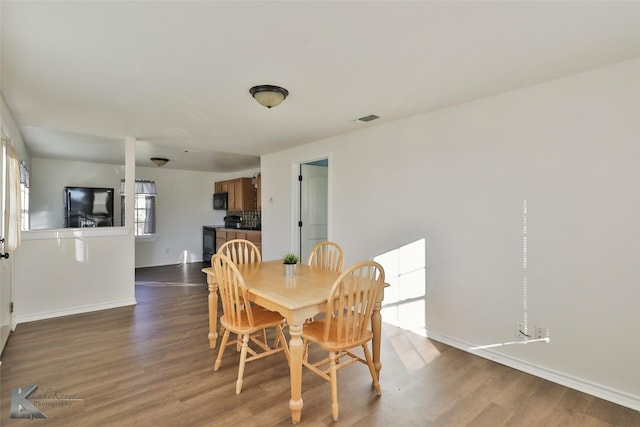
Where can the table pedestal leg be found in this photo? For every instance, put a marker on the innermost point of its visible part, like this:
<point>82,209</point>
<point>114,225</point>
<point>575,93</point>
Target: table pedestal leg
<point>213,310</point>
<point>295,366</point>
<point>376,328</point>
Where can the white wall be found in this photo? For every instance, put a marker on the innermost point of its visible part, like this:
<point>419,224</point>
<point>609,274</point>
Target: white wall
<point>184,204</point>
<point>459,177</point>
<point>48,179</point>
<point>67,271</point>
<point>62,272</point>
<point>10,126</point>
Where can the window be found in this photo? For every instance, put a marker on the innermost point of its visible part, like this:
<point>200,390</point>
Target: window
<point>10,192</point>
<point>144,215</point>
<point>24,194</point>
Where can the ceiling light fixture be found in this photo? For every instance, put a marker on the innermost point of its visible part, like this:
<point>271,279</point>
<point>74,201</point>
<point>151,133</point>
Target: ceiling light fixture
<point>269,96</point>
<point>159,161</point>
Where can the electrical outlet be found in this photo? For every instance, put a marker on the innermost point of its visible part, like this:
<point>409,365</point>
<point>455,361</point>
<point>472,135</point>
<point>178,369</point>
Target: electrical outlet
<point>519,329</point>
<point>541,333</point>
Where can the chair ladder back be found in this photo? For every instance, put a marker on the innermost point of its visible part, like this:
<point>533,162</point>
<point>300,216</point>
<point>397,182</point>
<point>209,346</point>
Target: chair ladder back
<point>353,297</point>
<point>233,291</point>
<point>327,255</point>
<point>241,251</point>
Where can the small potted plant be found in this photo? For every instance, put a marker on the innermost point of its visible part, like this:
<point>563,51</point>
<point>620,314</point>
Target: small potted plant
<point>289,262</point>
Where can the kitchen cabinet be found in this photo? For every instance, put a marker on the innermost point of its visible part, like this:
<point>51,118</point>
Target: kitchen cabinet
<point>259,192</point>
<point>223,235</point>
<point>231,204</point>
<point>245,195</point>
<point>241,194</point>
<point>220,187</point>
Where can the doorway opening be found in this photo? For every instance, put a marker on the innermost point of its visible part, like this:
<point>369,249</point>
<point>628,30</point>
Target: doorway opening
<point>314,206</point>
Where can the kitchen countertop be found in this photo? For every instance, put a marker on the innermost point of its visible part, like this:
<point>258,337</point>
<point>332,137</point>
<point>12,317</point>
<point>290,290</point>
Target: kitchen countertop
<point>242,228</point>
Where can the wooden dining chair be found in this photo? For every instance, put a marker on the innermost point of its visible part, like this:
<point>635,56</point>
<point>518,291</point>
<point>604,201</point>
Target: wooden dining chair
<point>345,325</point>
<point>243,318</point>
<point>327,255</point>
<point>241,251</point>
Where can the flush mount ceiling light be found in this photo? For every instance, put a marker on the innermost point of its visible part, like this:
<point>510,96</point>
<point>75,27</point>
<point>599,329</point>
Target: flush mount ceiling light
<point>159,161</point>
<point>269,96</point>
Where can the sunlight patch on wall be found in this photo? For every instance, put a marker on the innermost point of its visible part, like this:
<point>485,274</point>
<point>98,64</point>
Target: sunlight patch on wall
<point>404,302</point>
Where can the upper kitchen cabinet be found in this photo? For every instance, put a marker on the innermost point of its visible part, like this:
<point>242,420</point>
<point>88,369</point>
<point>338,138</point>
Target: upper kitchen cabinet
<point>231,190</point>
<point>241,194</point>
<point>245,195</point>
<point>220,187</point>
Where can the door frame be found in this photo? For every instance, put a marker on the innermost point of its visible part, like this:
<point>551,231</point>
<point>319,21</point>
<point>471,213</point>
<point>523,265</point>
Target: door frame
<point>6,271</point>
<point>295,200</point>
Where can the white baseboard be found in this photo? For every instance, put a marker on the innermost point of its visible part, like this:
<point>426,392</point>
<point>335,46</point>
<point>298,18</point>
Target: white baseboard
<point>75,310</point>
<point>556,377</point>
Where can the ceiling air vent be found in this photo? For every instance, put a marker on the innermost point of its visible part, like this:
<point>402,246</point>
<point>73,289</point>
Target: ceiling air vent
<point>368,118</point>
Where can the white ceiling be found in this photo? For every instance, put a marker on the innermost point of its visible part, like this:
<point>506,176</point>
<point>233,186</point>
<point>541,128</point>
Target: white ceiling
<point>80,76</point>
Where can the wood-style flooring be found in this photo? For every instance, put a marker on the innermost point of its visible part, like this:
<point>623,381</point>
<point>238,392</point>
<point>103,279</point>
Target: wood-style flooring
<point>151,365</point>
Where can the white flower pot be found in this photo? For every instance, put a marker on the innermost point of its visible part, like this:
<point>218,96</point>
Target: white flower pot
<point>289,269</point>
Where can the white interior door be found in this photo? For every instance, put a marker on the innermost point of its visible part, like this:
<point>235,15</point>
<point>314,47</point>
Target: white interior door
<point>313,206</point>
<point>5,264</point>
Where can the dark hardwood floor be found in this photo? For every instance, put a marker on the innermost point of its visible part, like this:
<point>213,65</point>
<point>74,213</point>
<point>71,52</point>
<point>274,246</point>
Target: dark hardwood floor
<point>151,365</point>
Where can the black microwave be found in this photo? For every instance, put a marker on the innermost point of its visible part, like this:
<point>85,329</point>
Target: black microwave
<point>220,201</point>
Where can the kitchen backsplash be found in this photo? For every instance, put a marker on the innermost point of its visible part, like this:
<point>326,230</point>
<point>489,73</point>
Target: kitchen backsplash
<point>249,218</point>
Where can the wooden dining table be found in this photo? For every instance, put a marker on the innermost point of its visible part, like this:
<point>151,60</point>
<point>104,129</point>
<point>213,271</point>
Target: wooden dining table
<point>297,298</point>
